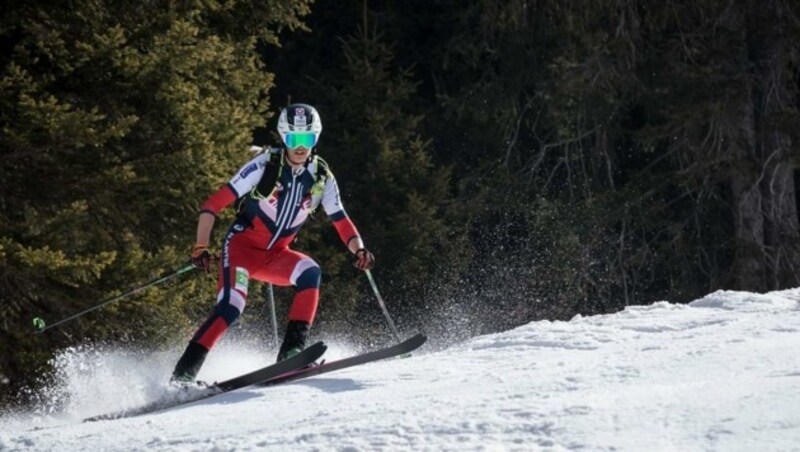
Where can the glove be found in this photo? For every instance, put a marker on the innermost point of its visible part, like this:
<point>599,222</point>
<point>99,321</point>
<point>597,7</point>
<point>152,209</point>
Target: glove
<point>364,259</point>
<point>201,258</point>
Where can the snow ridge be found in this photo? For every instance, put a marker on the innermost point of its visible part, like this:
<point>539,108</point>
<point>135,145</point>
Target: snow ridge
<point>721,373</point>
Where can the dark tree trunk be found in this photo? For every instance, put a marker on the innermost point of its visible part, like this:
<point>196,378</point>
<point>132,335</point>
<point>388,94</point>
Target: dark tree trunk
<point>749,259</point>
<point>768,244</point>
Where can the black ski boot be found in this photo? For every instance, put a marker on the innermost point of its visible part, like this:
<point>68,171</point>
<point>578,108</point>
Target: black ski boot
<point>189,365</point>
<point>295,339</point>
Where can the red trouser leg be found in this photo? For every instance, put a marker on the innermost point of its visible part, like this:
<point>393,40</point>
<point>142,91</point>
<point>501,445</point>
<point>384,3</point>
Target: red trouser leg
<point>238,259</point>
<point>243,259</point>
<point>285,267</point>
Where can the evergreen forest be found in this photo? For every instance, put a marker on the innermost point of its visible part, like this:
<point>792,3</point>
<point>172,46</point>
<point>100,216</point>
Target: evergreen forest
<point>505,160</point>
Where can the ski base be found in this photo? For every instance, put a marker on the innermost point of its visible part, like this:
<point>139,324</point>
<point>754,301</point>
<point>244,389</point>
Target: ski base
<point>402,348</point>
<point>300,360</point>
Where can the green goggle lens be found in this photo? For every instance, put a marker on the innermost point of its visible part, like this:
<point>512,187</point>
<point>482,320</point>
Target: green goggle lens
<point>297,139</point>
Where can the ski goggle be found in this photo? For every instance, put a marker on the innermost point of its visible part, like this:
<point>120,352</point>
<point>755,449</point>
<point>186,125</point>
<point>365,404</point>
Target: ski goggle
<point>297,139</point>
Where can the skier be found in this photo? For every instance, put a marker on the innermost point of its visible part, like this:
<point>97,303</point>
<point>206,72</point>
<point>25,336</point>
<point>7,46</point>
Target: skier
<point>276,192</point>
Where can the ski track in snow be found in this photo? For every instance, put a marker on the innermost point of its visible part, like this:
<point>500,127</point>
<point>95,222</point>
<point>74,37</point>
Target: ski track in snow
<point>721,373</point>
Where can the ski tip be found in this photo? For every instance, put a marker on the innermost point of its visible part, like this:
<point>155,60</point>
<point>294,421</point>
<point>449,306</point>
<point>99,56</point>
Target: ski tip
<point>414,342</point>
<point>316,349</point>
<point>319,346</point>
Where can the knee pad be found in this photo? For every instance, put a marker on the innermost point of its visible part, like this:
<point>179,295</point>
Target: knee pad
<point>309,279</point>
<point>227,311</point>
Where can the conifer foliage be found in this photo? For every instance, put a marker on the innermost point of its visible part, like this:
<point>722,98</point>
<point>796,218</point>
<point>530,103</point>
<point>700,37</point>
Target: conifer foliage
<point>117,119</point>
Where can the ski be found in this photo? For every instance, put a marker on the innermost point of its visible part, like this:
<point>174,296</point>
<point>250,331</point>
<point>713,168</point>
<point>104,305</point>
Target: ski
<point>404,347</point>
<point>300,360</point>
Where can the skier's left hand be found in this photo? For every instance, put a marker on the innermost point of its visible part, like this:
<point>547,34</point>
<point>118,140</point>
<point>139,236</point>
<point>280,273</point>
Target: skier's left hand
<point>364,259</point>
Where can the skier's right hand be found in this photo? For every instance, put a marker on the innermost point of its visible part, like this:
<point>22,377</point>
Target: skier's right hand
<point>201,258</point>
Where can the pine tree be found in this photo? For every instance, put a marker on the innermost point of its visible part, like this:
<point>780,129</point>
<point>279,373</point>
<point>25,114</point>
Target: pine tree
<point>391,187</point>
<point>117,119</point>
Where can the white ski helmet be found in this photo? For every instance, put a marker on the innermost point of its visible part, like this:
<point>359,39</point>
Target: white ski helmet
<point>299,125</point>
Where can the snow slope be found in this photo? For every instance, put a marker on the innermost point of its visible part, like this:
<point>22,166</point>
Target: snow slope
<point>722,373</point>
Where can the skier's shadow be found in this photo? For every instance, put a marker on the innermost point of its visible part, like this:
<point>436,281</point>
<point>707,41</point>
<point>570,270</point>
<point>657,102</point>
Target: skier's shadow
<point>232,397</point>
<point>333,385</point>
<point>329,385</point>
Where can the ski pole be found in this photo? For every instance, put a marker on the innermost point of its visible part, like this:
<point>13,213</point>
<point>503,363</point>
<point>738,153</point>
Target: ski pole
<point>271,297</point>
<point>382,305</point>
<point>39,324</point>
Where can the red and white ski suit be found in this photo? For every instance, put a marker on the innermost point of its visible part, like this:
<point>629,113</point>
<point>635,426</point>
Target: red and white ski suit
<point>257,243</point>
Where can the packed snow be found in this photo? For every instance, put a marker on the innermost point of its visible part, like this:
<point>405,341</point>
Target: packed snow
<point>721,373</point>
